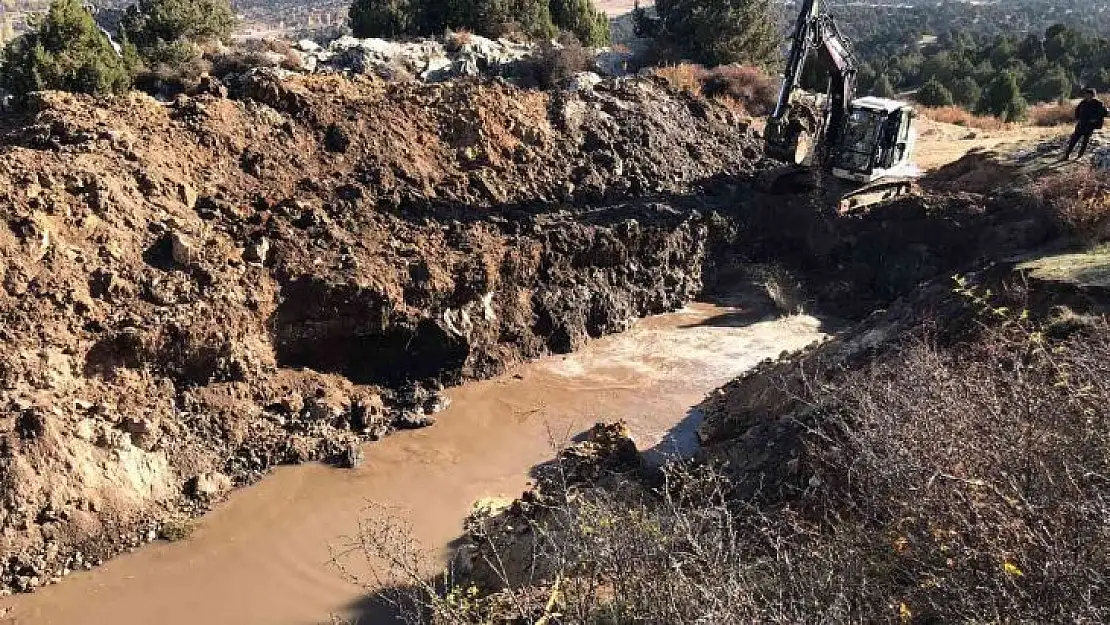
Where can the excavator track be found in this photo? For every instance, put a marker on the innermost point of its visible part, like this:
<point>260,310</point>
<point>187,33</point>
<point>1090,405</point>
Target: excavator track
<point>881,190</point>
<point>852,197</point>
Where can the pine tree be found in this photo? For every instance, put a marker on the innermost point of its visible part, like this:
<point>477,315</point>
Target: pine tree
<point>63,50</point>
<point>933,93</point>
<point>966,92</point>
<point>1050,85</point>
<point>718,32</point>
<point>165,31</point>
<point>381,18</point>
<point>1003,99</point>
<point>582,19</point>
<point>882,87</point>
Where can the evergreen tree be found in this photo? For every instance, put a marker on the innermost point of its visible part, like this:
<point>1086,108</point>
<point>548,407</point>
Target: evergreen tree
<point>582,19</point>
<point>718,32</point>
<point>534,19</point>
<point>1003,99</point>
<point>63,50</point>
<point>1051,85</point>
<point>1031,49</point>
<point>166,31</point>
<point>882,87</point>
<point>382,18</point>
<point>865,77</point>
<point>933,93</point>
<point>966,92</point>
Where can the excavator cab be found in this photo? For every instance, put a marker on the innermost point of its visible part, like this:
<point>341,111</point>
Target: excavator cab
<point>866,142</point>
<point>876,141</point>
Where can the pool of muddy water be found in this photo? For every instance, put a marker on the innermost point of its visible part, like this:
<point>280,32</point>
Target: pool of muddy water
<point>262,556</point>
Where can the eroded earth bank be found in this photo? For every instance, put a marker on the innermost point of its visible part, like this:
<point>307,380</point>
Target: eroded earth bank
<point>197,292</point>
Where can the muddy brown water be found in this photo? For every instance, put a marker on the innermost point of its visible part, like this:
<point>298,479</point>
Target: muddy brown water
<point>261,557</point>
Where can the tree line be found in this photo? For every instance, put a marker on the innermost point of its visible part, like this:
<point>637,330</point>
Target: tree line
<point>532,19</point>
<point>996,75</point>
<point>65,49</point>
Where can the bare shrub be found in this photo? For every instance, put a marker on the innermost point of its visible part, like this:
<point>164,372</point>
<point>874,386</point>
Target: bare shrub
<point>745,88</point>
<point>254,53</point>
<point>962,117</point>
<point>750,86</point>
<point>1078,200</point>
<point>557,63</point>
<point>968,483</point>
<point>980,473</point>
<point>682,77</point>
<point>456,39</point>
<point>176,76</point>
<point>1052,114</point>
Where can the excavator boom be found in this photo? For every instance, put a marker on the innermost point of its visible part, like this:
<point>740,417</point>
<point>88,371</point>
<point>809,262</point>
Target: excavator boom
<point>864,142</point>
<point>801,123</point>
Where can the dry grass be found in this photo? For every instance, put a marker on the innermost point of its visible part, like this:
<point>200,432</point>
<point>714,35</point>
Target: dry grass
<point>1078,200</point>
<point>743,88</point>
<point>1052,114</point>
<point>682,77</point>
<point>962,117</point>
<point>748,85</point>
<point>457,39</point>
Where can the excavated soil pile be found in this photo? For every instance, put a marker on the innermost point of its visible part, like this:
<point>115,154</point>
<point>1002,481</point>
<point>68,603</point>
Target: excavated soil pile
<point>196,292</point>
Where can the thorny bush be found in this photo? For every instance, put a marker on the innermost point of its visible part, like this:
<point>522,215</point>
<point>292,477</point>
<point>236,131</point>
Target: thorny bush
<point>966,483</point>
<point>1078,200</point>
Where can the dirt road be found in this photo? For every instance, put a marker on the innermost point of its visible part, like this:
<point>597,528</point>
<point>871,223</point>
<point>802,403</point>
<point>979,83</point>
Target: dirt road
<point>939,144</point>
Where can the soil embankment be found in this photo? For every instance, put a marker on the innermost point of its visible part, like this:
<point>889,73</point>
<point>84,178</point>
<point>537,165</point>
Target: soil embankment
<point>194,293</point>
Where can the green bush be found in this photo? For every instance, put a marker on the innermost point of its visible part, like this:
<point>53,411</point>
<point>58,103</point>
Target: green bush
<point>714,32</point>
<point>64,50</point>
<point>966,92</point>
<point>1003,99</point>
<point>882,87</point>
<point>166,31</point>
<point>933,93</point>
<point>1051,85</point>
<point>582,19</point>
<point>382,18</point>
<point>529,19</point>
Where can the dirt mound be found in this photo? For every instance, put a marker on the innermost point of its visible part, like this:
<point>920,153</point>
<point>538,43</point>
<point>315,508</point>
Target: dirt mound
<point>192,293</point>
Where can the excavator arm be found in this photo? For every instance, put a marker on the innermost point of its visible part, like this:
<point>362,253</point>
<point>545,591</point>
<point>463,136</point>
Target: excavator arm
<point>803,123</point>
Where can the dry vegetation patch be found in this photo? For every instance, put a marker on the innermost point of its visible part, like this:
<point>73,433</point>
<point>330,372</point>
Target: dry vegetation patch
<point>747,88</point>
<point>960,116</point>
<point>1079,201</point>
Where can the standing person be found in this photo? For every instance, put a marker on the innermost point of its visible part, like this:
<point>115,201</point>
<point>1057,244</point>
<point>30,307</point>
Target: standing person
<point>1088,118</point>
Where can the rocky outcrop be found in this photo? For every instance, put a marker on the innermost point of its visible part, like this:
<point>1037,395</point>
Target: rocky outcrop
<point>458,55</point>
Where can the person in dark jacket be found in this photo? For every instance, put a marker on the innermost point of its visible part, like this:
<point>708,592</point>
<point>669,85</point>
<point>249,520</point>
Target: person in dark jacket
<point>1088,118</point>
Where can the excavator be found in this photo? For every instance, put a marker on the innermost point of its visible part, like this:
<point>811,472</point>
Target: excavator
<point>866,143</point>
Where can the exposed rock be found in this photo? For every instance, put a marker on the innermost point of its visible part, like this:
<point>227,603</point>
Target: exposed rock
<point>257,251</point>
<point>182,249</point>
<point>411,420</point>
<point>208,486</point>
<point>458,55</point>
<point>325,407</point>
<point>187,194</point>
<point>351,457</point>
